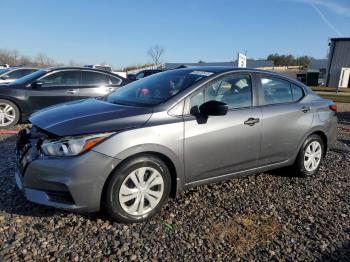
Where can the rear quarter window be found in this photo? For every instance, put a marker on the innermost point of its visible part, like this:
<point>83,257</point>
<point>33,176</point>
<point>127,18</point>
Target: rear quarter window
<point>276,91</point>
<point>297,92</point>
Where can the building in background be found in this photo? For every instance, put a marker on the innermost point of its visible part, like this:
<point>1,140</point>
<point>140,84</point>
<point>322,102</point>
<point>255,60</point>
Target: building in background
<point>251,63</point>
<point>338,62</point>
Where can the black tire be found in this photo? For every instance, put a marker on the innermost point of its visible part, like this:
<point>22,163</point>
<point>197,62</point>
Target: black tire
<point>16,113</point>
<point>299,165</point>
<point>112,202</point>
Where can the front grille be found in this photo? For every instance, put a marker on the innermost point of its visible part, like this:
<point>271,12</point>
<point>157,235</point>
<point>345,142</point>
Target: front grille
<point>28,145</point>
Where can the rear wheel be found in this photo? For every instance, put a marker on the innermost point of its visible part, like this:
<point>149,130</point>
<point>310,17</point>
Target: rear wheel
<point>138,189</point>
<point>310,156</point>
<point>9,114</point>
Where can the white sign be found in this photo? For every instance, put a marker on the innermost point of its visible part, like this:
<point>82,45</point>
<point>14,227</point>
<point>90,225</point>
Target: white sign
<point>201,73</point>
<point>344,80</point>
<point>242,60</point>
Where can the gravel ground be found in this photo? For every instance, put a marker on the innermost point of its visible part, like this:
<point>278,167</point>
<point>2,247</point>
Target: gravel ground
<point>270,216</point>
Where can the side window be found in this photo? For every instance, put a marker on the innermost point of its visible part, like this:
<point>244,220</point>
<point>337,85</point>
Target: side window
<point>197,99</point>
<point>297,92</point>
<point>63,78</point>
<point>94,78</point>
<point>276,91</point>
<point>115,80</point>
<point>234,90</point>
<point>19,73</point>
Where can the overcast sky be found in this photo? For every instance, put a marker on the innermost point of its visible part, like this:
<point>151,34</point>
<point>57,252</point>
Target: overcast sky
<point>120,32</point>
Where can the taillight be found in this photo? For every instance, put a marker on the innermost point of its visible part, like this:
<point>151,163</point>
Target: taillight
<point>333,107</point>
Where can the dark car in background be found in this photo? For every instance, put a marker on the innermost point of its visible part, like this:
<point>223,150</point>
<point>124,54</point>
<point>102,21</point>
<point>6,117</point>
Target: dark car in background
<point>143,73</point>
<point>8,75</point>
<point>47,87</point>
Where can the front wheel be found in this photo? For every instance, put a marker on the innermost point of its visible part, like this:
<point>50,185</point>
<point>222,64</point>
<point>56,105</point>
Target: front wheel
<point>310,156</point>
<point>9,114</point>
<point>138,189</point>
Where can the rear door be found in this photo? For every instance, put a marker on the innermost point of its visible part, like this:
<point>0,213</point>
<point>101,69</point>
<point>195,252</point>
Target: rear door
<point>286,119</point>
<point>96,84</point>
<point>57,87</point>
<point>223,144</point>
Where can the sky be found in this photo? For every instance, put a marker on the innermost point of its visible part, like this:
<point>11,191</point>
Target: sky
<point>121,32</point>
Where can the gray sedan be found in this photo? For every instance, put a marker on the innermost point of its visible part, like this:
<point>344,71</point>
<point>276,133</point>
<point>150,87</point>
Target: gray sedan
<point>129,151</point>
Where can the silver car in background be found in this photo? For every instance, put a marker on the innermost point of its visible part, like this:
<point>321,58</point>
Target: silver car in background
<point>129,151</point>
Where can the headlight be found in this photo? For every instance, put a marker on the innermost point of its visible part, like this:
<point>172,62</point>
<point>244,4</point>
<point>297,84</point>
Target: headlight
<point>72,146</point>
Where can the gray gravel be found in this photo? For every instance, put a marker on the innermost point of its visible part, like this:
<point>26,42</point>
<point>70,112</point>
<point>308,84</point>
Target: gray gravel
<point>270,216</point>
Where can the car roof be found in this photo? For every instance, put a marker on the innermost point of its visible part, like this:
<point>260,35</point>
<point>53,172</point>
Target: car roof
<point>222,69</point>
<point>217,70</point>
<point>49,69</point>
<point>20,67</point>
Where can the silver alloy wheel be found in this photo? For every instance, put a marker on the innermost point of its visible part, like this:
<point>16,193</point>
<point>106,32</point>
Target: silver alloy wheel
<point>141,191</point>
<point>7,114</point>
<point>312,156</point>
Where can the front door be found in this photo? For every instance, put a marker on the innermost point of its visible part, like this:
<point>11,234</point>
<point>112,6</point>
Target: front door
<point>57,87</point>
<point>223,144</point>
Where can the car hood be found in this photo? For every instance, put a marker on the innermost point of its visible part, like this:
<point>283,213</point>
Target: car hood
<point>89,116</point>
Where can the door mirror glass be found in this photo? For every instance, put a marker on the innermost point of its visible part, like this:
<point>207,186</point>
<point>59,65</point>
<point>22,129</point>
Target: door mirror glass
<point>37,84</point>
<point>213,108</point>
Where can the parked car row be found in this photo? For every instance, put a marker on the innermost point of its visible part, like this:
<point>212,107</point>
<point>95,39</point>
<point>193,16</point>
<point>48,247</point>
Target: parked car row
<point>129,150</point>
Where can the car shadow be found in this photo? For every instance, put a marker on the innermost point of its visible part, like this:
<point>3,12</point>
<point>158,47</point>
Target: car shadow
<point>345,141</point>
<point>282,172</point>
<point>343,117</point>
<point>341,253</point>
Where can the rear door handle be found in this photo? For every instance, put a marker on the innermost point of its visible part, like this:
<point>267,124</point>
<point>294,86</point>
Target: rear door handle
<point>305,109</point>
<point>252,121</point>
<point>72,91</point>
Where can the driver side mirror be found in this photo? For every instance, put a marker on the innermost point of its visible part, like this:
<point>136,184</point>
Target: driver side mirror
<point>210,108</point>
<point>37,84</point>
<point>213,108</point>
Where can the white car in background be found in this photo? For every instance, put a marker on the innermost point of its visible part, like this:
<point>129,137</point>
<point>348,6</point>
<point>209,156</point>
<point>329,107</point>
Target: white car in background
<point>108,68</point>
<point>4,66</point>
<point>8,75</point>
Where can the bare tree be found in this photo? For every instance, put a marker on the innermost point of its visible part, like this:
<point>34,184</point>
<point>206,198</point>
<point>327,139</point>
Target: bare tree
<point>13,58</point>
<point>156,52</point>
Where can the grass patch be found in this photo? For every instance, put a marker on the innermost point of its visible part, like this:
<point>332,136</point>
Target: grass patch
<point>243,233</point>
<point>166,225</point>
<point>336,97</point>
<point>330,89</point>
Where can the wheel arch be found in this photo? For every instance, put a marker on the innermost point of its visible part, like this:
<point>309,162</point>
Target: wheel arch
<point>16,103</point>
<point>315,131</point>
<point>324,139</point>
<point>176,183</point>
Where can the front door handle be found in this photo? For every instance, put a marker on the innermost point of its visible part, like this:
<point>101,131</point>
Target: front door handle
<point>72,91</point>
<point>252,121</point>
<point>305,109</point>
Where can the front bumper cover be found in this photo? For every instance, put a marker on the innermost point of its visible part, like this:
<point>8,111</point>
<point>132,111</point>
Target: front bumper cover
<point>74,183</point>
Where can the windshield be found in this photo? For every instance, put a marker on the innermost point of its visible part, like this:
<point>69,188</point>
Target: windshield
<point>157,88</point>
<point>29,77</point>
